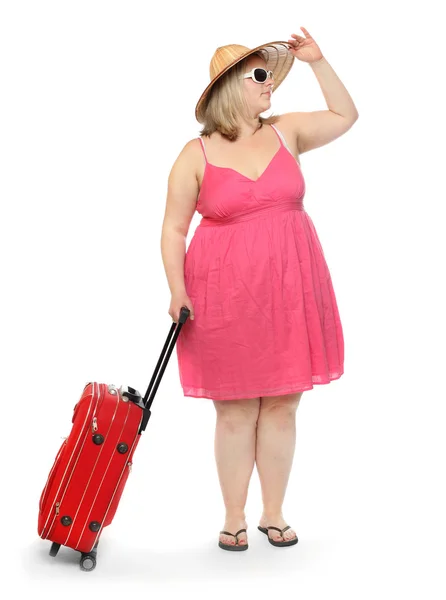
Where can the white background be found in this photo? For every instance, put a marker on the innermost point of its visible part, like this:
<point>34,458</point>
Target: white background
<point>97,100</point>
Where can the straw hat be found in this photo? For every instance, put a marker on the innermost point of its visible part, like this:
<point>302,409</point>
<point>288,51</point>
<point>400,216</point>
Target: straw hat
<point>277,55</point>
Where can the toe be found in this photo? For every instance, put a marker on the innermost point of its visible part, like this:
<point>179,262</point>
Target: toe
<point>226,539</point>
<point>290,534</point>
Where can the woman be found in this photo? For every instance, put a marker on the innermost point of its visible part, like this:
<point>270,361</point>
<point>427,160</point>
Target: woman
<point>264,324</point>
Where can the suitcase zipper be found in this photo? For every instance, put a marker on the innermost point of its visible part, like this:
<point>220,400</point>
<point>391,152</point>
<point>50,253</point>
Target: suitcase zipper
<point>57,507</point>
<point>94,425</point>
<point>129,464</point>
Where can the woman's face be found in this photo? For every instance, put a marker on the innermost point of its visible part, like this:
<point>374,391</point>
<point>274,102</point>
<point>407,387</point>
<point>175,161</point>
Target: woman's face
<point>258,95</point>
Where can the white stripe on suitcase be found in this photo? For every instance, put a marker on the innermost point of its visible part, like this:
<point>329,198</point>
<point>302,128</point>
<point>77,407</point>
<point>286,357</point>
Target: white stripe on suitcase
<point>94,466</point>
<point>51,512</point>
<point>103,477</point>
<point>123,471</point>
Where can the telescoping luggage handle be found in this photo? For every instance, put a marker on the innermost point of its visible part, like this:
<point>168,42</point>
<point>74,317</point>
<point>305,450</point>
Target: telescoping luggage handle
<point>166,352</point>
<point>146,402</point>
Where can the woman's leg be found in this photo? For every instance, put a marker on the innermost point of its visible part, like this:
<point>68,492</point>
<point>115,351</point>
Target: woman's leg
<point>276,441</point>
<point>235,443</point>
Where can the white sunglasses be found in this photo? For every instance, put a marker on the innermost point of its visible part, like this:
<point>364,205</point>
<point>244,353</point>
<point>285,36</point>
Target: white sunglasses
<point>258,75</point>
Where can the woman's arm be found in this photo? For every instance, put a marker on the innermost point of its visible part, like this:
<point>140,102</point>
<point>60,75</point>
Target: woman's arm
<point>317,128</point>
<point>182,192</point>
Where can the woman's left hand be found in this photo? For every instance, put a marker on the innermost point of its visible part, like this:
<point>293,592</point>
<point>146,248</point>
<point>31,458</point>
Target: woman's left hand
<point>304,48</point>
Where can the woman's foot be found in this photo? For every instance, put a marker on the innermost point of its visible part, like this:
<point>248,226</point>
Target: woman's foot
<point>279,522</point>
<point>232,525</point>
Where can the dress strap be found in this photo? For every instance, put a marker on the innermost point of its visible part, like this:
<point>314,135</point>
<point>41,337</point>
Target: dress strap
<point>280,134</point>
<point>204,149</point>
<point>281,137</point>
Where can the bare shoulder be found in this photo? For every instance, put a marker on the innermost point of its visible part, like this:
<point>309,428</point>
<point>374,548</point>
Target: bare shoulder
<point>187,163</point>
<point>189,153</point>
<point>285,126</point>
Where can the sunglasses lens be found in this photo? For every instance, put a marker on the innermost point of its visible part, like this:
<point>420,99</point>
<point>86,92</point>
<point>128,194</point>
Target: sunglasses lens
<point>260,75</point>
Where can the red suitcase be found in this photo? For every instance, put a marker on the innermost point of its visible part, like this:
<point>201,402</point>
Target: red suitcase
<point>88,476</point>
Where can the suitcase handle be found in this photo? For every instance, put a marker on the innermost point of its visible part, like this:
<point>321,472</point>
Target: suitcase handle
<point>165,353</point>
<point>146,402</point>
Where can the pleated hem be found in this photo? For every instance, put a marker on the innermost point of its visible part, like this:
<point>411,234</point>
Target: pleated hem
<point>191,392</point>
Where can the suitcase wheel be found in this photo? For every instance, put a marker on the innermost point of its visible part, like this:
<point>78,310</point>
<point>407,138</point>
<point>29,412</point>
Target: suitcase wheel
<point>54,549</point>
<point>88,562</point>
<point>88,559</point>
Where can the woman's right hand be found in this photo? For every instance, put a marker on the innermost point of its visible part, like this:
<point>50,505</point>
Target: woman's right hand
<point>176,304</point>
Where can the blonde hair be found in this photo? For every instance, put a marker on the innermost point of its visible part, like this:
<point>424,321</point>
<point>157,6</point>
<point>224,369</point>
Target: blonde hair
<point>226,103</point>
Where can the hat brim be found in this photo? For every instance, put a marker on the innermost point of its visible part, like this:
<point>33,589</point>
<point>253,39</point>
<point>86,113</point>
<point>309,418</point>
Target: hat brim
<point>278,59</point>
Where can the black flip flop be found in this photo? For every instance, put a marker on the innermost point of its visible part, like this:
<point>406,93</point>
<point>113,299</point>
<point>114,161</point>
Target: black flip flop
<point>233,547</point>
<point>273,542</point>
